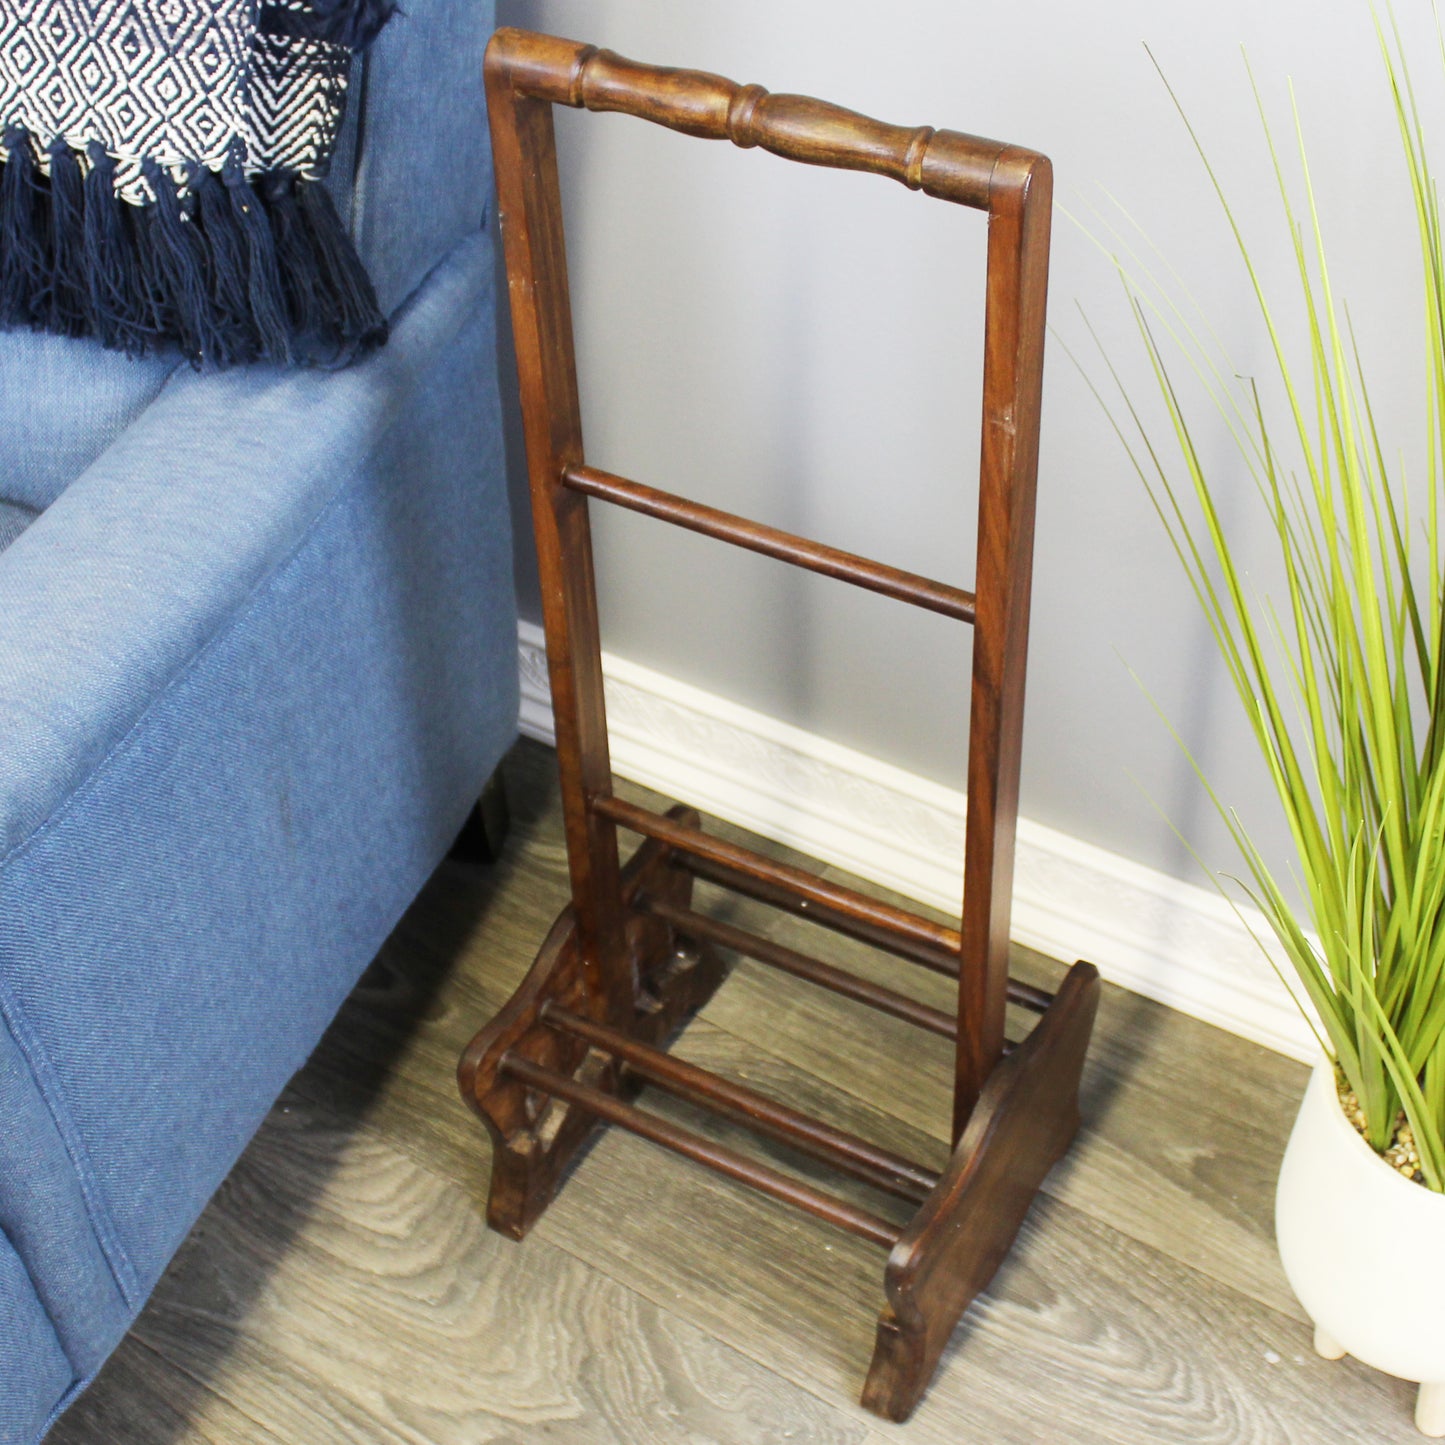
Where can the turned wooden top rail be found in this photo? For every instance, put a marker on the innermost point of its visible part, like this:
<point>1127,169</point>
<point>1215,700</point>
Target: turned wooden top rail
<point>966,169</point>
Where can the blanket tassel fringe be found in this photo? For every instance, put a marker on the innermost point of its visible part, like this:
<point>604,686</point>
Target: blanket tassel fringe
<point>227,270</point>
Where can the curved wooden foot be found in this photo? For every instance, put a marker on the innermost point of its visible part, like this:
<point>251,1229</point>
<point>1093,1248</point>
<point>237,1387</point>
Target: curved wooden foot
<point>1024,1120</point>
<point>1327,1346</point>
<point>1430,1409</point>
<point>537,1138</point>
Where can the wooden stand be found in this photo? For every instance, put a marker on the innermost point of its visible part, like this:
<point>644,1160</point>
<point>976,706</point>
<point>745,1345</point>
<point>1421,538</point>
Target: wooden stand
<point>630,960</point>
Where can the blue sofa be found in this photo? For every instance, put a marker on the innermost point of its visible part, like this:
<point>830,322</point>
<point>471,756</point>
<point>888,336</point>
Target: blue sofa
<point>257,660</point>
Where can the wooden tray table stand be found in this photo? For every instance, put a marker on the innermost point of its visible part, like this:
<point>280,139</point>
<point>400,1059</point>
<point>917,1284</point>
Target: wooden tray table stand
<point>629,960</point>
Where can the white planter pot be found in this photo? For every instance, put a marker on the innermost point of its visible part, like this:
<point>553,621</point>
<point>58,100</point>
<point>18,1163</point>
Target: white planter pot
<point>1364,1250</point>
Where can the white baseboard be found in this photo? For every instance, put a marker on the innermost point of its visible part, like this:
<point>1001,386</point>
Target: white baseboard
<point>1180,944</point>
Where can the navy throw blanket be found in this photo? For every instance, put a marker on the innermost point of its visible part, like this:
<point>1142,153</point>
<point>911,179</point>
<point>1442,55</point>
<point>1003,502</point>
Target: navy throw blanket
<point>160,176</point>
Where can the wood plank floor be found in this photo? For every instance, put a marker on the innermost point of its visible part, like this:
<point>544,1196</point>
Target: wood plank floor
<point>342,1287</point>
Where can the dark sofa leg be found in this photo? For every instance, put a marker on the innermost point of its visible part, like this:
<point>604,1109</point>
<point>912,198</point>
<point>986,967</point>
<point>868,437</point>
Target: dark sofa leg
<point>484,833</point>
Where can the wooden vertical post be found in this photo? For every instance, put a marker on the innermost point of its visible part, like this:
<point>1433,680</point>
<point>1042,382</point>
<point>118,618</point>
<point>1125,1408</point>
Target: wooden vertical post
<point>531,221</point>
<point>1020,203</point>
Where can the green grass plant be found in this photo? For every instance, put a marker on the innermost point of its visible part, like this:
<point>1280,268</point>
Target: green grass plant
<point>1342,676</point>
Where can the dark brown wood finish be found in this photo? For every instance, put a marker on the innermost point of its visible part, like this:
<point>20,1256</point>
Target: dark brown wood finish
<point>869,1162</point>
<point>1025,1120</point>
<point>801,965</point>
<point>942,163</point>
<point>525,154</point>
<point>630,959</point>
<point>784,546</point>
<point>534,1145</point>
<point>937,958</point>
<point>925,955</point>
<point>606,1105</point>
<point>1020,205</point>
<point>804,885</point>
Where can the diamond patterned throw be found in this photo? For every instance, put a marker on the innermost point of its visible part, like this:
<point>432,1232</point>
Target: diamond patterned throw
<point>157,170</point>
<point>172,80</point>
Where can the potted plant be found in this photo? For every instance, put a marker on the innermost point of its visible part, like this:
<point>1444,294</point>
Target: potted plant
<point>1342,678</point>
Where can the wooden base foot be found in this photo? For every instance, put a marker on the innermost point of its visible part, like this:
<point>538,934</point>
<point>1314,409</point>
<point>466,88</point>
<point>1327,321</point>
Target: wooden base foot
<point>1327,1347</point>
<point>536,1138</point>
<point>1026,1117</point>
<point>1430,1409</point>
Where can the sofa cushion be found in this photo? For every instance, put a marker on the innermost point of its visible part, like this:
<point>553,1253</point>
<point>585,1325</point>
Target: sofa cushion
<point>62,403</point>
<point>285,759</point>
<point>205,494</point>
<point>201,905</point>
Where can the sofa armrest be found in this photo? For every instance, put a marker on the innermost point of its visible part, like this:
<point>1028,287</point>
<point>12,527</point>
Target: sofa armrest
<point>121,583</point>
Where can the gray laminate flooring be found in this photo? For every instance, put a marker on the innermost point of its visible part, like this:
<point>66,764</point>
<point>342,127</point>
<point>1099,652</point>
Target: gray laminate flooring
<point>342,1286</point>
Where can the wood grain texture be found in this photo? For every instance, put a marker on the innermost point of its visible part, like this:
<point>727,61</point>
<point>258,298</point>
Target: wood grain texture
<point>539,1124</point>
<point>770,542</point>
<point>945,164</point>
<point>1025,1119</point>
<point>1203,1194</point>
<point>342,1286</point>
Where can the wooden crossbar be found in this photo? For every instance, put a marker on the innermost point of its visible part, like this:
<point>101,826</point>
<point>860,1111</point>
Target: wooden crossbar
<point>808,886</point>
<point>873,1165</point>
<point>761,1177</point>
<point>878,577</point>
<point>926,955</point>
<point>788,960</point>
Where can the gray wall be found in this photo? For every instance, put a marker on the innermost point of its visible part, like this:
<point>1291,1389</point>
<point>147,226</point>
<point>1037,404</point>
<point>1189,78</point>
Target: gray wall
<point>803,346</point>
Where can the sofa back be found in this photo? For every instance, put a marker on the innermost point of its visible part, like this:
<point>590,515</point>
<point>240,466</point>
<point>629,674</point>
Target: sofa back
<point>422,176</point>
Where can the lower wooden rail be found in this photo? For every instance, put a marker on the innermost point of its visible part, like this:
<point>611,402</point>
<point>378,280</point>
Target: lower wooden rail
<point>726,935</point>
<point>927,955</point>
<point>879,1167</point>
<point>553,1067</point>
<point>693,1146</point>
<point>875,935</point>
<point>805,885</point>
